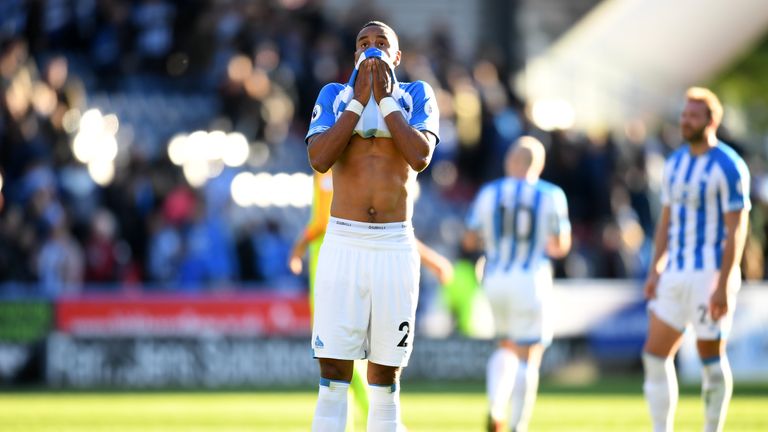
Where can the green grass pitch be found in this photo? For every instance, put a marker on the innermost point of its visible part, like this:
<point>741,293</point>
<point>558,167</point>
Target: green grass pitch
<point>605,407</point>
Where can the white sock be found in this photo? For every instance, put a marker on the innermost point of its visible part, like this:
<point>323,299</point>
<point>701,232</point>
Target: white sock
<point>384,409</point>
<point>331,408</point>
<point>500,379</point>
<point>524,397</point>
<point>660,388</point>
<point>716,389</point>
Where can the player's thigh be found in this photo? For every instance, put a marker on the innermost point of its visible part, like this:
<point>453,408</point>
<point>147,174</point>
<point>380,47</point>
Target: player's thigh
<point>394,297</point>
<point>663,340</point>
<point>702,286</point>
<point>529,318</point>
<point>500,299</point>
<point>671,302</point>
<point>342,308</point>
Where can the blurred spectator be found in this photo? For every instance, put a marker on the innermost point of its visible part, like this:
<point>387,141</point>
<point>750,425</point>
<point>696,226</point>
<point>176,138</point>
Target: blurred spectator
<point>101,254</point>
<point>254,67</point>
<point>60,260</point>
<point>273,249</point>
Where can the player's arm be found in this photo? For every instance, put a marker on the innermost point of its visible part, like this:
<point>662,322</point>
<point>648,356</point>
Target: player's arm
<point>436,263</point>
<point>736,223</point>
<point>734,194</point>
<point>659,260</point>
<point>325,148</point>
<point>559,243</point>
<point>312,232</point>
<point>315,228</point>
<point>415,146</point>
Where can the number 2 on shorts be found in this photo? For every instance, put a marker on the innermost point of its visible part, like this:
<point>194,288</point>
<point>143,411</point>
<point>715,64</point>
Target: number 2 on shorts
<point>703,313</point>
<point>407,327</point>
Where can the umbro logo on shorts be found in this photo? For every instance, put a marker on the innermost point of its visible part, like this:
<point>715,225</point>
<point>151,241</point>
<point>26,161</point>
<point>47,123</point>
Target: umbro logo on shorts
<point>318,342</point>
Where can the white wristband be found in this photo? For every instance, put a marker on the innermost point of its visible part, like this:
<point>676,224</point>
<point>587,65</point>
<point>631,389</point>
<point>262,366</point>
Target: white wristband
<point>388,105</point>
<point>355,106</point>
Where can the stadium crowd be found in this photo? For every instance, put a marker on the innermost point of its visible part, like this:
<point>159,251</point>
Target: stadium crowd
<point>165,67</point>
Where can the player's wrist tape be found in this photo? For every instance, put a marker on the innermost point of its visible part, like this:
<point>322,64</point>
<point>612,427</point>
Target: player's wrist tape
<point>355,106</point>
<point>388,105</point>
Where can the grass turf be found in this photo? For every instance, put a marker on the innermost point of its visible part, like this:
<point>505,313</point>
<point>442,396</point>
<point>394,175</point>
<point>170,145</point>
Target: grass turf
<point>605,407</point>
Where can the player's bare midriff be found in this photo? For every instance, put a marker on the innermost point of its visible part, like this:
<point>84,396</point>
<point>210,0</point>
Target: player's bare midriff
<point>369,182</point>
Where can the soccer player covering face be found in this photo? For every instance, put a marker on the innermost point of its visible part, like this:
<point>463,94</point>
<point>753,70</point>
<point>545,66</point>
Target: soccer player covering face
<point>377,134</point>
<point>694,275</point>
<point>519,222</point>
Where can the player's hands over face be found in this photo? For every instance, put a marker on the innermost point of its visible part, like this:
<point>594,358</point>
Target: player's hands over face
<point>382,80</point>
<point>363,82</point>
<point>651,282</point>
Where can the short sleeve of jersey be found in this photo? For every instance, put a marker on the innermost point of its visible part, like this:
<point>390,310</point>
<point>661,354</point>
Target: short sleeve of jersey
<point>479,207</point>
<point>426,116</point>
<point>666,193</point>
<point>323,116</point>
<point>560,224</point>
<point>735,190</point>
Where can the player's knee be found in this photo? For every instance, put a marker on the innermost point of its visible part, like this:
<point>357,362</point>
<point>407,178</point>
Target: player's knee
<point>340,370</point>
<point>382,375</point>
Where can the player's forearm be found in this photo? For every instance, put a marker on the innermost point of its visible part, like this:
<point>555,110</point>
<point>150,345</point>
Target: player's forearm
<point>412,144</point>
<point>660,243</point>
<point>559,246</point>
<point>735,239</point>
<point>659,260</point>
<point>325,148</point>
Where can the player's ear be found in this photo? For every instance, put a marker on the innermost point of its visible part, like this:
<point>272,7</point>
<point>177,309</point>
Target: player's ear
<point>396,60</point>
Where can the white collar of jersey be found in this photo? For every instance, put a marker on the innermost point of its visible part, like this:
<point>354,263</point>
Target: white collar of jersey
<point>372,53</point>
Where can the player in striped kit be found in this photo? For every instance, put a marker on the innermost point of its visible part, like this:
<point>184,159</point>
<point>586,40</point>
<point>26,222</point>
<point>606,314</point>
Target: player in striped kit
<point>376,133</point>
<point>695,275</point>
<point>520,222</point>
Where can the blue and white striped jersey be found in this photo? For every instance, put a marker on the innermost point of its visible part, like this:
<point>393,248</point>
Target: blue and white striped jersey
<point>417,104</point>
<point>515,219</point>
<point>699,190</point>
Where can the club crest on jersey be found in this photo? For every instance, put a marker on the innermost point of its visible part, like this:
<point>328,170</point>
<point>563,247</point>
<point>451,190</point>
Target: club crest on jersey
<point>316,111</point>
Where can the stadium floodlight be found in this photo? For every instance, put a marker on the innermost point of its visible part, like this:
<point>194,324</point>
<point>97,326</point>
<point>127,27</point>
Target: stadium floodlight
<point>176,149</point>
<point>282,189</point>
<point>241,189</point>
<point>235,150</point>
<point>262,190</point>
<point>301,190</point>
<point>196,172</point>
<point>215,146</point>
<point>101,171</point>
<point>552,114</point>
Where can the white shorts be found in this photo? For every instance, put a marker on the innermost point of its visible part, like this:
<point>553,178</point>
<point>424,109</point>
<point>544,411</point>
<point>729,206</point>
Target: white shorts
<point>520,303</point>
<point>366,292</point>
<point>682,299</point>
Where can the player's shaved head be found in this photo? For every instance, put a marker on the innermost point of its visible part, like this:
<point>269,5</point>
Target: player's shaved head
<point>395,40</point>
<point>525,157</point>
